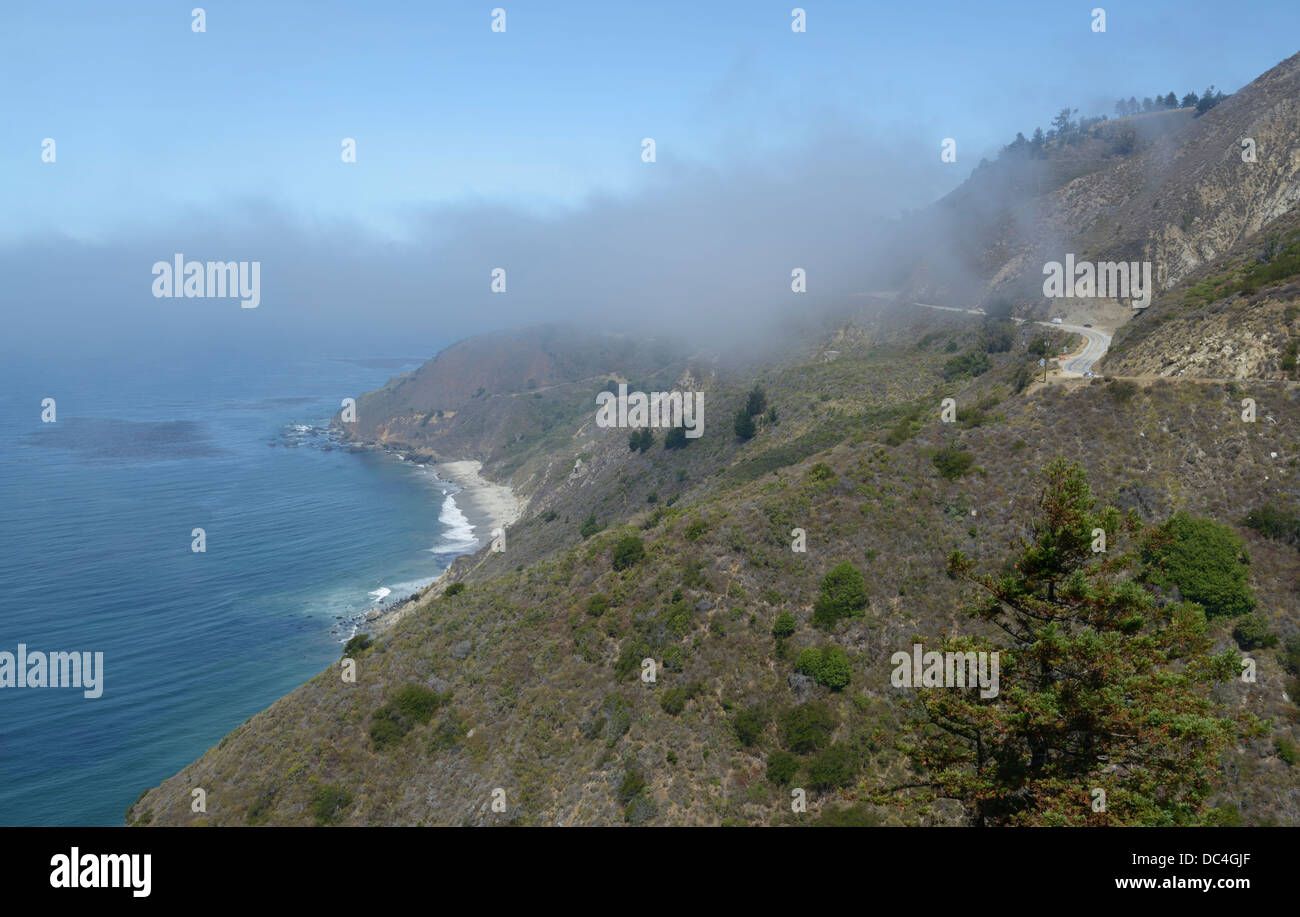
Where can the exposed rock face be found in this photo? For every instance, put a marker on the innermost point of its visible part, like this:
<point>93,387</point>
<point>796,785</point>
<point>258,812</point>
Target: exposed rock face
<point>1183,199</point>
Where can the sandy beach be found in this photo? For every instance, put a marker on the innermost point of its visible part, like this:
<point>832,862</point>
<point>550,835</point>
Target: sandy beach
<point>487,506</point>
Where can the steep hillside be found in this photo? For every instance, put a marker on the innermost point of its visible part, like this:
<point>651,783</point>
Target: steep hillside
<point>1168,188</point>
<point>483,395</point>
<point>1233,318</point>
<point>523,688</point>
<point>511,691</point>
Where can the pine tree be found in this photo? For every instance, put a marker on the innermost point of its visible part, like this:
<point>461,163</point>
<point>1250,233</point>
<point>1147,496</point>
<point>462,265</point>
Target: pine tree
<point>1102,687</point>
<point>744,424</point>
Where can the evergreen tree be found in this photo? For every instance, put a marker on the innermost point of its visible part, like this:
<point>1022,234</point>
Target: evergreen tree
<point>1101,686</point>
<point>744,424</point>
<point>1209,99</point>
<point>675,438</point>
<point>641,440</point>
<point>843,594</point>
<point>1062,123</point>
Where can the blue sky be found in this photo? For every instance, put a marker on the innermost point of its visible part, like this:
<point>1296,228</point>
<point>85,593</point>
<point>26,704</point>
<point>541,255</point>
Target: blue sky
<point>153,121</point>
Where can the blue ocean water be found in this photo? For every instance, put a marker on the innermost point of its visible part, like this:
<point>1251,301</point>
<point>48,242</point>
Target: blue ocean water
<point>96,516</point>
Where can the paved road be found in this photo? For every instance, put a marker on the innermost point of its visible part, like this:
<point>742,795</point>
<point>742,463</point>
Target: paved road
<point>1095,345</point>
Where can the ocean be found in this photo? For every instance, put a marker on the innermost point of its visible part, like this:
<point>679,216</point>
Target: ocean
<point>98,516</point>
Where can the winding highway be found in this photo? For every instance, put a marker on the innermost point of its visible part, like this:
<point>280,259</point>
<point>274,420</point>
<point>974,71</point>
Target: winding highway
<point>1080,363</point>
<point>1095,345</point>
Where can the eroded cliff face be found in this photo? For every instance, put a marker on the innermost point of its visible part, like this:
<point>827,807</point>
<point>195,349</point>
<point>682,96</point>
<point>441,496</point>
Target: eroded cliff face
<point>1183,198</point>
<point>1230,344</point>
<point>1209,198</point>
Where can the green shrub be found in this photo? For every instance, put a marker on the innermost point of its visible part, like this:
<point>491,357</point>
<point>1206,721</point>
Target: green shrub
<point>953,461</point>
<point>807,727</point>
<point>1122,391</point>
<point>833,767</point>
<point>453,589</point>
<point>781,767</point>
<point>693,531</point>
<point>901,432</point>
<point>1290,655</point>
<point>1205,560</point>
<point>628,551</point>
<point>1277,524</point>
<point>1286,750</point>
<point>629,659</point>
<point>784,626</point>
<point>820,477</point>
<point>675,438</point>
<point>809,663</point>
<point>829,666</point>
<point>835,671</point>
<point>328,803</point>
<point>750,723</point>
<point>673,701</point>
<point>1251,633</point>
<point>356,645</point>
<point>843,594</point>
<point>674,658</point>
<point>597,605</point>
<point>411,705</point>
<point>416,702</point>
<point>971,363</point>
<point>632,786</point>
<point>1224,816</point>
<point>589,526</point>
<point>387,728</point>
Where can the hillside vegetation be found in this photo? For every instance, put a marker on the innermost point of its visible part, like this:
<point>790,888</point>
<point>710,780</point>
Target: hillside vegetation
<point>525,687</point>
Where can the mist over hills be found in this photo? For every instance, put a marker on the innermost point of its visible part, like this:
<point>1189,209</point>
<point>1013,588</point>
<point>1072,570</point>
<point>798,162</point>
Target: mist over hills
<point>520,671</point>
<point>1170,187</point>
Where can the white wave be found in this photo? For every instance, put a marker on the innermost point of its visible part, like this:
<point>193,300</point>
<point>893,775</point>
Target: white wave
<point>458,534</point>
<point>381,593</point>
<point>412,586</point>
